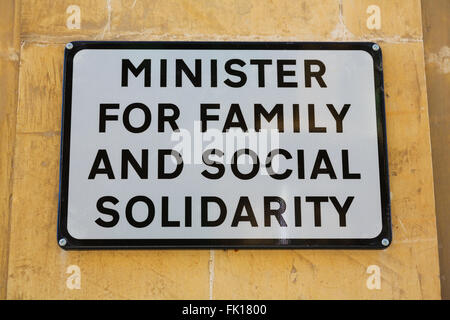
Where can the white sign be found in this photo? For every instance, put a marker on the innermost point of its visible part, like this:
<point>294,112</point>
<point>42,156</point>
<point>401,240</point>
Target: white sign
<point>223,145</point>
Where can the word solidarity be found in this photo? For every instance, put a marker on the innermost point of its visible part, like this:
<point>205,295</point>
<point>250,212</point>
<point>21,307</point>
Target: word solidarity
<point>244,212</point>
<point>223,145</point>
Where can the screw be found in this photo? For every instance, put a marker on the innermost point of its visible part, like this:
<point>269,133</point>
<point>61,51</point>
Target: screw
<point>376,47</point>
<point>385,242</point>
<point>69,45</point>
<point>62,242</point>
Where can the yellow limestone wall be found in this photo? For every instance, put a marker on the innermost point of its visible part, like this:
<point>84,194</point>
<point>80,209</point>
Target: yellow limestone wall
<point>31,67</point>
<point>436,28</point>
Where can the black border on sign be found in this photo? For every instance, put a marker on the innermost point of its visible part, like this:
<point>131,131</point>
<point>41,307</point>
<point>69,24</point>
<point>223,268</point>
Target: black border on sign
<point>374,243</point>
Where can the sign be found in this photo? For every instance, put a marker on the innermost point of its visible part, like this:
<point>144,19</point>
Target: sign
<point>223,145</point>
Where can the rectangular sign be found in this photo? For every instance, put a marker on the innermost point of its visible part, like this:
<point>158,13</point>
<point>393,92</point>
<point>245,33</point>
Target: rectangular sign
<point>223,145</point>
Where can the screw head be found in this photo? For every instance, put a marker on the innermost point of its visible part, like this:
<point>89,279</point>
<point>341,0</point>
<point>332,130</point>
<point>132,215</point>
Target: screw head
<point>375,47</point>
<point>62,242</point>
<point>69,45</point>
<point>385,242</point>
